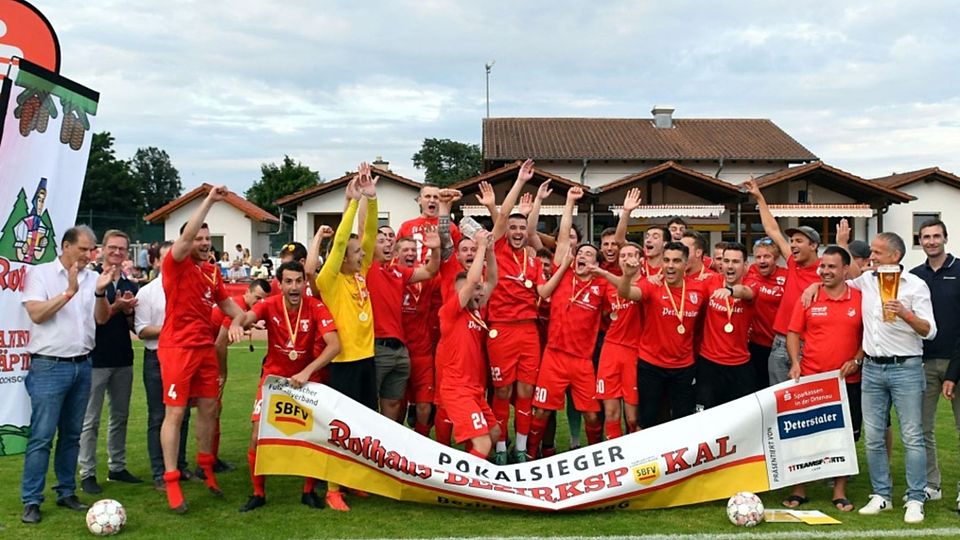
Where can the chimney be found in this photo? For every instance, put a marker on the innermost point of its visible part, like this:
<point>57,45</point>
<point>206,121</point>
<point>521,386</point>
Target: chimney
<point>381,164</point>
<point>662,116</point>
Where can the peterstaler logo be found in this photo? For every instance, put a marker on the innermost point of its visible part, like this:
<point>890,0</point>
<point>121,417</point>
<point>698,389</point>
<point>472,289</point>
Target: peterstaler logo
<point>288,416</point>
<point>646,473</point>
<point>810,422</point>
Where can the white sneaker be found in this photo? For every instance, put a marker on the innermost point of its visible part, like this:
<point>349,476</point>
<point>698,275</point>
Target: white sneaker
<point>929,494</point>
<point>914,512</point>
<point>958,503</point>
<point>876,505</point>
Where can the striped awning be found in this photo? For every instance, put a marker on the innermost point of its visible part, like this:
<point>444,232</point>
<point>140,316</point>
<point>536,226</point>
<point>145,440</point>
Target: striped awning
<point>821,210</point>
<point>705,211</point>
<point>545,210</point>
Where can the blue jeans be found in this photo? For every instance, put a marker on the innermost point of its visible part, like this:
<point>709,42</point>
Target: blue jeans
<point>58,396</point>
<point>901,384</point>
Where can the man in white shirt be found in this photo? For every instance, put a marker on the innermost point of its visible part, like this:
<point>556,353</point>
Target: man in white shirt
<point>64,302</point>
<point>148,320</point>
<point>893,373</point>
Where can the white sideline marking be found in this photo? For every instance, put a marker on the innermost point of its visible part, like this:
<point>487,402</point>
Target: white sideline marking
<point>753,533</point>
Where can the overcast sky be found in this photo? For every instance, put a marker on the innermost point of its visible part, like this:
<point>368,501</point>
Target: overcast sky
<point>871,87</point>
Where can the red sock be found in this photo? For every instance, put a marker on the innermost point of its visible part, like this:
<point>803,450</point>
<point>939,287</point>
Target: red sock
<point>174,495</point>
<point>537,427</point>
<point>423,429</point>
<point>444,428</point>
<point>309,484</point>
<point>501,410</point>
<point>206,461</point>
<point>522,412</point>
<point>475,452</point>
<point>594,432</point>
<point>632,426</point>
<point>613,429</point>
<point>258,480</point>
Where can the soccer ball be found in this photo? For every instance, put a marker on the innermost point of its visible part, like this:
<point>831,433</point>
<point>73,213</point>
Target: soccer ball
<point>106,517</point>
<point>745,509</point>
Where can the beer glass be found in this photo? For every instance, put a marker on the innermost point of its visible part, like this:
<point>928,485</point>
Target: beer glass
<point>889,276</point>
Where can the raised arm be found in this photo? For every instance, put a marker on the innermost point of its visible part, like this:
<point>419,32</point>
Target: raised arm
<point>422,273</point>
<point>627,288</point>
<point>313,256</point>
<point>770,225</point>
<point>533,218</point>
<point>547,289</point>
<point>488,199</point>
<point>475,273</point>
<point>574,194</point>
<point>331,267</point>
<point>368,188</point>
<point>182,245</point>
<point>447,198</point>
<point>843,240</point>
<point>523,176</point>
<point>630,203</point>
<point>491,259</point>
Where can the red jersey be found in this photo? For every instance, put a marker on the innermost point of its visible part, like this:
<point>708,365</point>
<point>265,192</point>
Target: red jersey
<point>386,283</point>
<point>661,344</point>
<point>718,345</point>
<point>417,316</point>
<point>575,309</point>
<point>192,290</point>
<point>219,318</point>
<point>624,319</point>
<point>309,322</point>
<point>460,351</point>
<point>832,332</point>
<point>705,274</point>
<point>415,228</point>
<point>798,279</point>
<point>512,300</point>
<point>646,269</point>
<point>449,269</point>
<point>769,293</point>
<point>612,267</point>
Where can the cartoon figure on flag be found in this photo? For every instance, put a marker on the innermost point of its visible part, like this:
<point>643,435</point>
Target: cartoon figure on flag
<point>26,235</point>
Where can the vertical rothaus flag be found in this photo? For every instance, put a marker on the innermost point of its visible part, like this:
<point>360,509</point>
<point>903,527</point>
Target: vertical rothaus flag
<point>45,140</point>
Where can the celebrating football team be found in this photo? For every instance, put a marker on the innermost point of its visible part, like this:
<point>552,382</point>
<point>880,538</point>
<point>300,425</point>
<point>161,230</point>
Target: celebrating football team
<point>450,328</point>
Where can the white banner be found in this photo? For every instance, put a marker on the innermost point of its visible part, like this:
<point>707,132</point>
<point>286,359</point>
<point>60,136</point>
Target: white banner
<point>44,145</point>
<point>784,435</point>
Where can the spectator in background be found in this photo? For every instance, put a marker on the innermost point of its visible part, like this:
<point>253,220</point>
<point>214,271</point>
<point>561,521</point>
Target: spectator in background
<point>238,253</point>
<point>259,271</point>
<point>268,264</point>
<point>247,258</point>
<point>236,272</point>
<point>225,264</point>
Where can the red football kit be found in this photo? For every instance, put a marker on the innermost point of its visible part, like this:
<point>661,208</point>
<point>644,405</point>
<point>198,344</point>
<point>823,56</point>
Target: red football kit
<point>617,369</point>
<point>575,313</point>
<point>769,294</point>
<point>831,330</point>
<point>386,283</point>
<point>449,270</point>
<point>294,337</point>
<point>726,326</point>
<point>417,317</point>
<point>220,318</point>
<point>512,310</point>
<point>416,227</point>
<point>462,390</point>
<point>798,279</point>
<point>666,340</point>
<point>188,361</point>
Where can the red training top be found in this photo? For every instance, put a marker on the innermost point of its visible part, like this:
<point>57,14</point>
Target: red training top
<point>460,352</point>
<point>386,283</point>
<point>718,345</point>
<point>575,309</point>
<point>798,279</point>
<point>314,321</point>
<point>192,289</point>
<point>512,300</point>
<point>769,294</point>
<point>661,344</point>
<point>832,332</point>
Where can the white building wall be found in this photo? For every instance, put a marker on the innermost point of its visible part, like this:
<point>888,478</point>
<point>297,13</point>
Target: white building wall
<point>934,197</point>
<point>224,220</point>
<point>395,201</point>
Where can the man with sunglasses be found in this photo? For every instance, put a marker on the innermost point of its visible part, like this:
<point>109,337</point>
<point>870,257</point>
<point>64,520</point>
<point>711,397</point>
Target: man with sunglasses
<point>770,279</point>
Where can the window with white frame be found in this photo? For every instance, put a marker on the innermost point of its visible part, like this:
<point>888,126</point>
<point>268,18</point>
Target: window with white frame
<point>919,218</point>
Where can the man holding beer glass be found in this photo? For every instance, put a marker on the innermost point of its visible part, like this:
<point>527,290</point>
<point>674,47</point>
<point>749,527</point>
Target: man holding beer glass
<point>897,317</point>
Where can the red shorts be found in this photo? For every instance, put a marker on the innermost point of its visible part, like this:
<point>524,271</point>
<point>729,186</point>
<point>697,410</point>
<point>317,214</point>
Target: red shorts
<point>469,412</point>
<point>559,371</point>
<point>514,354</point>
<point>617,373</point>
<point>188,372</point>
<point>420,385</point>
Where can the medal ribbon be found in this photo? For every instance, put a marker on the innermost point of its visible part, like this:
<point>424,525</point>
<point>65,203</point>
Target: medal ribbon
<point>292,331</point>
<point>574,286</point>
<point>475,316</point>
<point>683,300</point>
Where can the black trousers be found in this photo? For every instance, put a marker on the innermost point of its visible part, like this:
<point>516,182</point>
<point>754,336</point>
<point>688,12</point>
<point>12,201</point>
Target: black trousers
<point>654,382</point>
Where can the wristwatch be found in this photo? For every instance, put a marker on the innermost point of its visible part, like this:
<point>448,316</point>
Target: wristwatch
<point>100,295</point>
<point>858,362</point>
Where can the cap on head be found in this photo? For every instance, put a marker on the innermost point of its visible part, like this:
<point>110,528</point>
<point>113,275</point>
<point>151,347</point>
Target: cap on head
<point>859,249</point>
<point>809,232</point>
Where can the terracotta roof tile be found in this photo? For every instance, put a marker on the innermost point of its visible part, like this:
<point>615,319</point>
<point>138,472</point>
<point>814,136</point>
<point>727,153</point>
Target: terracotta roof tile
<point>637,138</point>
<point>829,177</point>
<point>249,209</point>
<point>670,166</point>
<point>330,185</point>
<point>896,181</point>
<point>539,175</point>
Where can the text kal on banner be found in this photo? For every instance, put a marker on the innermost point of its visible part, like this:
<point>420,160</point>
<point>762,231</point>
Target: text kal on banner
<point>44,145</point>
<point>783,435</point>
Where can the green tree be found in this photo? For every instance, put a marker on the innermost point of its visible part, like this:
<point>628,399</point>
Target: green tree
<point>158,179</point>
<point>111,198</point>
<point>278,181</point>
<point>447,161</point>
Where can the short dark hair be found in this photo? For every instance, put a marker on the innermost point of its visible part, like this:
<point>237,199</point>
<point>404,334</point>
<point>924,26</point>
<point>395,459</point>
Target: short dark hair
<point>934,223</point>
<point>72,236</point>
<point>293,266</point>
<point>698,240</point>
<point>576,228</point>
<point>517,215</point>
<point>609,231</point>
<point>460,275</point>
<point>734,246</point>
<point>720,245</point>
<point>298,250</point>
<point>381,227</point>
<point>586,245</point>
<point>676,219</point>
<point>262,283</point>
<point>837,250</point>
<point>202,226</point>
<point>665,232</point>
<point>677,246</point>
<point>544,252</point>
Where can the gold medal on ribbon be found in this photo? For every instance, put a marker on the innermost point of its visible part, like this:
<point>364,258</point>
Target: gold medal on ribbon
<point>681,329</point>
<point>293,355</point>
<point>363,316</point>
<point>528,284</point>
<point>292,330</point>
<point>613,315</point>
<point>679,311</point>
<point>728,328</point>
